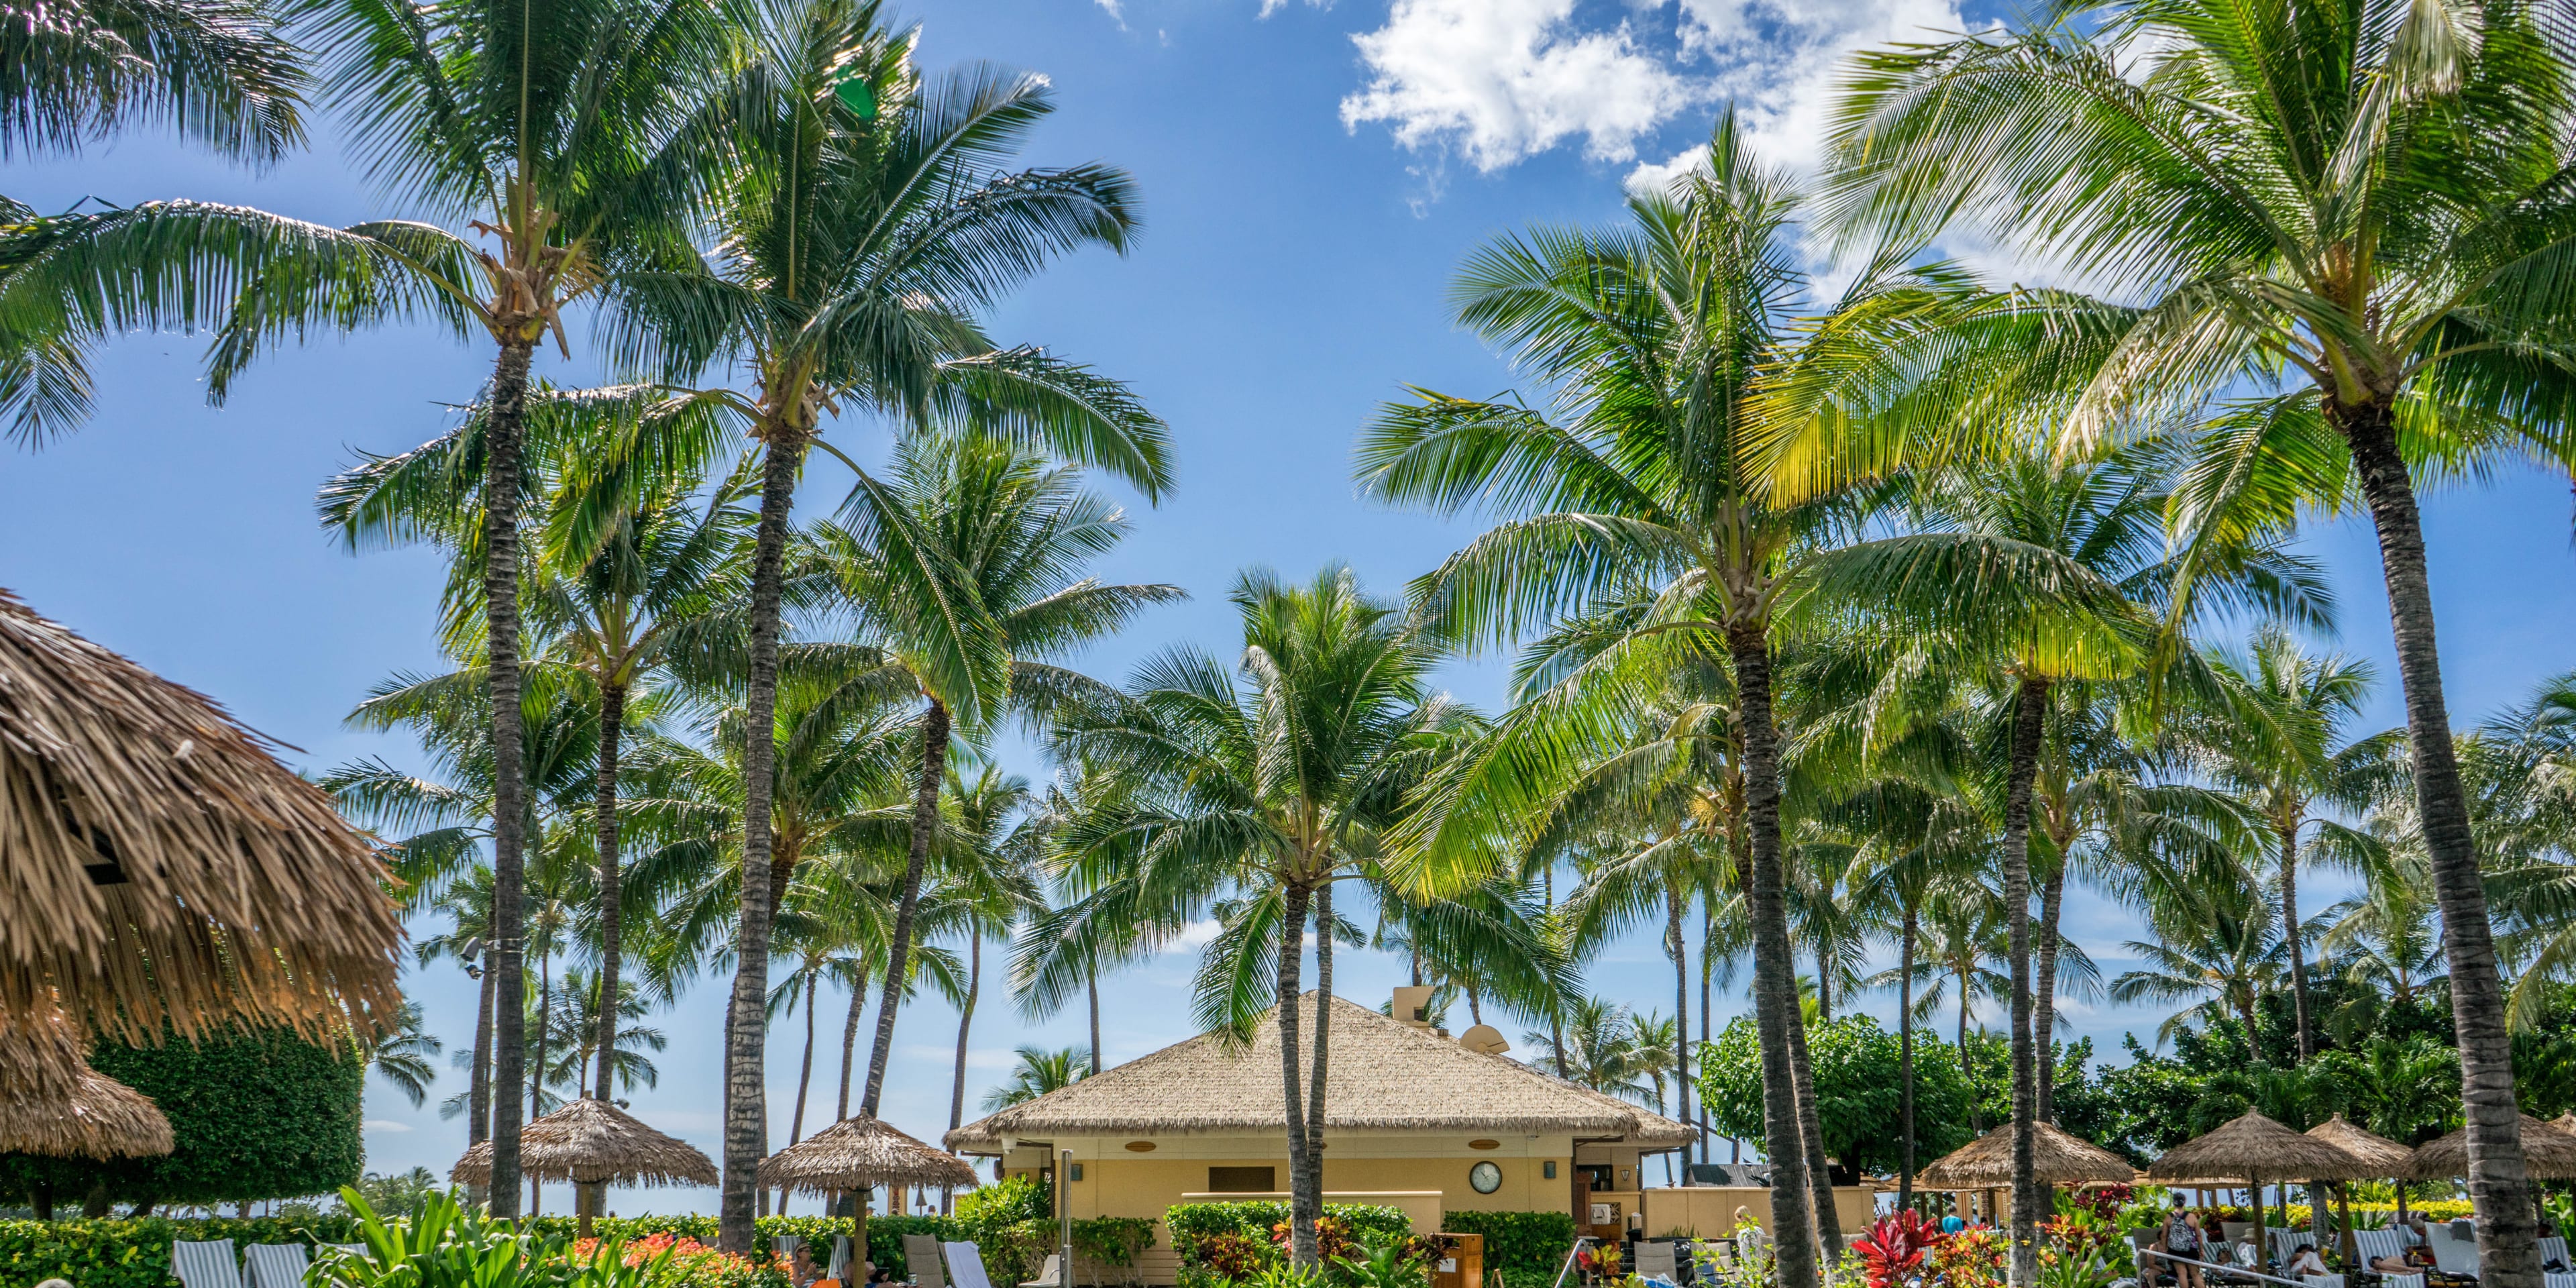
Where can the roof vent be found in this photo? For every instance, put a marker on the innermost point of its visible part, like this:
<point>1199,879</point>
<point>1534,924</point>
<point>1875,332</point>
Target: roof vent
<point>1412,1007</point>
<point>1484,1039</point>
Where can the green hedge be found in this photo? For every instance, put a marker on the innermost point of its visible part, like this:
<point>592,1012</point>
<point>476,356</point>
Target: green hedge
<point>1520,1244</point>
<point>134,1252</point>
<point>1254,1218</point>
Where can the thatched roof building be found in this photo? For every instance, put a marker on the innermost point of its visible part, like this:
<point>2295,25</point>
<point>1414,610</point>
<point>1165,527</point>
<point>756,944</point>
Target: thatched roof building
<point>157,864</point>
<point>858,1152</point>
<point>591,1142</point>
<point>1384,1076</point>
<point>2384,1158</point>
<point>2059,1157</point>
<point>2550,1153</point>
<point>2255,1146</point>
<point>53,1103</point>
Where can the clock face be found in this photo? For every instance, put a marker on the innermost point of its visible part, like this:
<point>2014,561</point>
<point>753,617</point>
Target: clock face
<point>1486,1177</point>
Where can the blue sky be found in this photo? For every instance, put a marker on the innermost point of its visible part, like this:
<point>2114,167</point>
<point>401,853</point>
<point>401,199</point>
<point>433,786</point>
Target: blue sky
<point>1311,174</point>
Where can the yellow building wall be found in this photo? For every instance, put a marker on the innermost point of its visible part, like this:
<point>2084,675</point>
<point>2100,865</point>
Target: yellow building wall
<point>1708,1211</point>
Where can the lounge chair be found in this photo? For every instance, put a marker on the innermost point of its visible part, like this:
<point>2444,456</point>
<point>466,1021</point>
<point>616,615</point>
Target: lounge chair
<point>2554,1248</point>
<point>1655,1260</point>
<point>838,1271</point>
<point>2372,1245</point>
<point>206,1264</point>
<point>785,1245</point>
<point>921,1257</point>
<point>2285,1240</point>
<point>1049,1275</point>
<point>2454,1257</point>
<point>276,1265</point>
<point>966,1266</point>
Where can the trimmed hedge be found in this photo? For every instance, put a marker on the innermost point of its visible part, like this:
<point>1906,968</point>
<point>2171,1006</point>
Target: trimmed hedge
<point>134,1252</point>
<point>1526,1246</point>
<point>1253,1219</point>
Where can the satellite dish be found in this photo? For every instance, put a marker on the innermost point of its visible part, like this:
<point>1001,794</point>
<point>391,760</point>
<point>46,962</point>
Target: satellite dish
<point>1484,1039</point>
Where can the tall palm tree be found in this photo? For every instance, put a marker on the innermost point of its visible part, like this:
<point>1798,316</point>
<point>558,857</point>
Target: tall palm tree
<point>402,1054</point>
<point>2355,206</point>
<point>1600,1049</point>
<point>1006,831</point>
<point>1040,1071</point>
<point>1646,496</point>
<point>1270,780</point>
<point>2277,737</point>
<point>966,562</point>
<point>864,223</point>
<point>2217,946</point>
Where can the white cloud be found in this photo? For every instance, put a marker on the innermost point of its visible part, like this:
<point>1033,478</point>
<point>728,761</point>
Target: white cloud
<point>386,1125</point>
<point>1501,80</point>
<point>1779,60</point>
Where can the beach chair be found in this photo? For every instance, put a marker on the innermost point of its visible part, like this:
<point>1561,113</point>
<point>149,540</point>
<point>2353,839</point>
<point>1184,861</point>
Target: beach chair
<point>2285,1240</point>
<point>2371,1245</point>
<point>1049,1275</point>
<point>2554,1248</point>
<point>921,1256</point>
<point>1655,1260</point>
<point>276,1265</point>
<point>838,1271</point>
<point>785,1245</point>
<point>2236,1231</point>
<point>2454,1257</point>
<point>206,1264</point>
<point>966,1266</point>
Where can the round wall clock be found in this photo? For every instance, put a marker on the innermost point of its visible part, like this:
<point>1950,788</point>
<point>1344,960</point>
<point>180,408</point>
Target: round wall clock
<point>1486,1177</point>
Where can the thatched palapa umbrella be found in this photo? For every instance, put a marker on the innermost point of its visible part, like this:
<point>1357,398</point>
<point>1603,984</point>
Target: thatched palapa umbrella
<point>158,866</point>
<point>2255,1147</point>
<point>53,1103</point>
<point>594,1144</point>
<point>2377,1156</point>
<point>2549,1152</point>
<point>2059,1157</point>
<point>856,1153</point>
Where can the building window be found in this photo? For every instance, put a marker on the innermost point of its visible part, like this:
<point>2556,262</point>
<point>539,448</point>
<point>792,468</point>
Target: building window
<point>1243,1180</point>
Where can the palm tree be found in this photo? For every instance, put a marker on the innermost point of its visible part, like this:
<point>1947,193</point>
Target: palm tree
<point>2376,243</point>
<point>966,561</point>
<point>1271,781</point>
<point>1007,834</point>
<point>217,69</point>
<point>1600,1049</point>
<point>1040,1072</point>
<point>2217,945</point>
<point>401,1054</point>
<point>2277,738</point>
<point>864,223</point>
<point>1646,502</point>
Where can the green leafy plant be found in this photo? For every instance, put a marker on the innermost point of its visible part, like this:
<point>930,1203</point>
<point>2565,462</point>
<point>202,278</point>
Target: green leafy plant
<point>1113,1243</point>
<point>1383,1263</point>
<point>1283,1275</point>
<point>1525,1246</point>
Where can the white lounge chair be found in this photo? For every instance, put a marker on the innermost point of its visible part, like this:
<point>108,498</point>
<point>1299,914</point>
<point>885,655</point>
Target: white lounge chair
<point>2285,1241</point>
<point>966,1265</point>
<point>2554,1248</point>
<point>2454,1256</point>
<point>841,1258</point>
<point>276,1265</point>
<point>921,1256</point>
<point>205,1264</point>
<point>1050,1275</point>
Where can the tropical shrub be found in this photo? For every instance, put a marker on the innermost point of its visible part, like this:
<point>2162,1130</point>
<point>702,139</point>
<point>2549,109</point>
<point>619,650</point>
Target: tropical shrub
<point>1332,1238</point>
<point>1235,1257</point>
<point>1895,1248</point>
<point>1525,1246</point>
<point>134,1252</point>
<point>1387,1263</point>
<point>446,1246</point>
<point>1113,1242</point>
<point>682,1262</point>
<point>1192,1224</point>
<point>1972,1258</point>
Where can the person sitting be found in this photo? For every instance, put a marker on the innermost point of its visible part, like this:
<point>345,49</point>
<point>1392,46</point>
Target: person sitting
<point>2305,1261</point>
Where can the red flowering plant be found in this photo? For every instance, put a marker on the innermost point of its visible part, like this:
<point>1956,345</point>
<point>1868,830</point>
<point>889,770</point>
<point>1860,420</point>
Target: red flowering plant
<point>1332,1238</point>
<point>2107,1200</point>
<point>1972,1258</point>
<point>1897,1247</point>
<point>2080,1232</point>
<point>682,1262</point>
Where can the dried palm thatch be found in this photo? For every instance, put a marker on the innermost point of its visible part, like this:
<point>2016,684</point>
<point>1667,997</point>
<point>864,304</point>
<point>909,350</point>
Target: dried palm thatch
<point>159,869</point>
<point>2059,1158</point>
<point>2549,1152</point>
<point>1385,1076</point>
<point>2382,1157</point>
<point>2255,1146</point>
<point>53,1103</point>
<point>858,1152</point>
<point>592,1142</point>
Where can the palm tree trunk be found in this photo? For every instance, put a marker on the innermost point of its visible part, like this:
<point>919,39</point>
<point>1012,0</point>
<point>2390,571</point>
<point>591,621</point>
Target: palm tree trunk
<point>2043,1011</point>
<point>478,1084</point>
<point>1976,1113</point>
<point>1811,1134</point>
<point>746,1107</point>
<point>1775,986</point>
<point>1707,971</point>
<point>2499,1179</point>
<point>1681,1013</point>
<point>2290,937</point>
<point>804,1073</point>
<point>965,1021</point>
<point>850,1041</point>
<point>1091,986</point>
<point>1313,1199</point>
<point>1824,982</point>
<point>503,430</point>
<point>2030,705</point>
<point>537,1066</point>
<point>1905,1058</point>
<point>925,824</point>
<point>1292,955</point>
<point>1556,1009</point>
<point>612,722</point>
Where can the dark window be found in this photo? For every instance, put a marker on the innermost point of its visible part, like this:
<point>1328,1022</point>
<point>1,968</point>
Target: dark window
<point>1243,1180</point>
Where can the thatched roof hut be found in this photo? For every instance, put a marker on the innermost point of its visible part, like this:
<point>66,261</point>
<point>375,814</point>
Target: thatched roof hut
<point>592,1142</point>
<point>2383,1158</point>
<point>2550,1153</point>
<point>53,1103</point>
<point>2059,1157</point>
<point>158,865</point>
<point>858,1152</point>
<point>2255,1146</point>
<point>1386,1076</point>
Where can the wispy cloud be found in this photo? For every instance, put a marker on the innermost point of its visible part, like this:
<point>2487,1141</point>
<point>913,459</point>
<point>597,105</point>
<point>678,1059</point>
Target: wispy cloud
<point>386,1125</point>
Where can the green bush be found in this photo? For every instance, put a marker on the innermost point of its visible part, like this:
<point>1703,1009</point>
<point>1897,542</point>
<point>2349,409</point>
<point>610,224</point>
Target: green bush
<point>1520,1244</point>
<point>258,1115</point>
<point>135,1252</point>
<point>1253,1219</point>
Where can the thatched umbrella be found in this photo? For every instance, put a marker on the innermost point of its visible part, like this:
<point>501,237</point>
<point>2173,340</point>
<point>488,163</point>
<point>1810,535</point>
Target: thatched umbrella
<point>2377,1155</point>
<point>594,1144</point>
<point>53,1103</point>
<point>856,1153</point>
<point>159,866</point>
<point>2058,1157</point>
<point>2254,1147</point>
<point>2549,1152</point>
